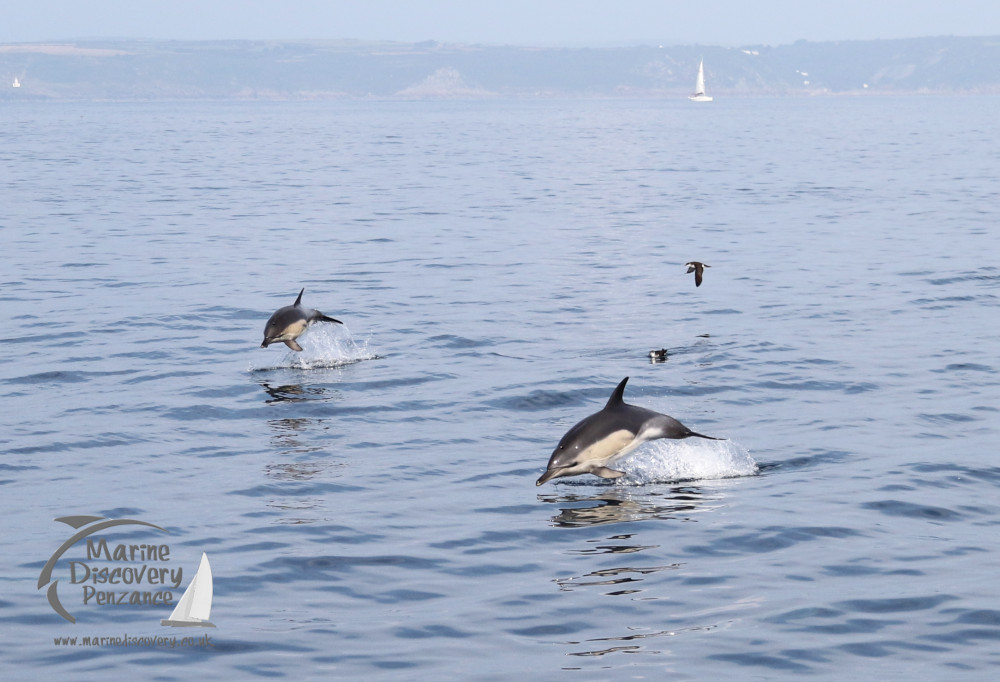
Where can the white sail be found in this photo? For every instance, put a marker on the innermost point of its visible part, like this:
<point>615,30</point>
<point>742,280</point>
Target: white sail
<point>17,83</point>
<point>699,85</point>
<point>195,605</point>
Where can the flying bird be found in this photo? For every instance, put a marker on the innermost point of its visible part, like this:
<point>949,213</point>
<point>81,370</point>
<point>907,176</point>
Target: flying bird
<point>698,269</point>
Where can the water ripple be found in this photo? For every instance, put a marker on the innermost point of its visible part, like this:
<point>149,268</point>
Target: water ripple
<point>913,510</point>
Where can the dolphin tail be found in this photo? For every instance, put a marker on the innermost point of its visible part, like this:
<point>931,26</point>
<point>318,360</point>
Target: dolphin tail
<point>603,472</point>
<point>298,300</point>
<point>291,343</point>
<point>701,435</point>
<point>323,318</point>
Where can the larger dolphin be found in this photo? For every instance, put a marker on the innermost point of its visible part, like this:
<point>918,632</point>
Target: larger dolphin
<point>288,323</point>
<point>606,436</point>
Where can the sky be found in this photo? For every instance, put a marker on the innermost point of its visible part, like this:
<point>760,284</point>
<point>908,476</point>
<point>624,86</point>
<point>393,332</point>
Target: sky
<point>597,23</point>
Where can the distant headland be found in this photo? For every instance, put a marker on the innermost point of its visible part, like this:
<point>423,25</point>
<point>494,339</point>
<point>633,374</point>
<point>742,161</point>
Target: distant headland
<point>319,70</point>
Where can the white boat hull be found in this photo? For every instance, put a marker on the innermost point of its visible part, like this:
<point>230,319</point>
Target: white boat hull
<point>186,623</point>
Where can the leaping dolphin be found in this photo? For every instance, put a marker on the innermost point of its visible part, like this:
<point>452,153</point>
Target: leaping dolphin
<point>606,436</point>
<point>288,323</point>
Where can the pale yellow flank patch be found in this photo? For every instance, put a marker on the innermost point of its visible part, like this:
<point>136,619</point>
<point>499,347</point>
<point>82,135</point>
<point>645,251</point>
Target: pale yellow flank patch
<point>293,330</point>
<point>617,443</point>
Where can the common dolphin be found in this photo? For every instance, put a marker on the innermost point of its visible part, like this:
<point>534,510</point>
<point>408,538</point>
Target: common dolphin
<point>288,323</point>
<point>605,436</point>
<point>698,269</point>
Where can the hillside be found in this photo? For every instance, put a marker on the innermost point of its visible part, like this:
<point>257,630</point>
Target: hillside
<point>131,70</point>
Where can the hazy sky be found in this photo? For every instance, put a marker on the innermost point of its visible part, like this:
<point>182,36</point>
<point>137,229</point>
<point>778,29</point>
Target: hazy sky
<point>535,22</point>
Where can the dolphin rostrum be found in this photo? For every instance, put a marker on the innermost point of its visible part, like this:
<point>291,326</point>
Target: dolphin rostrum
<point>698,269</point>
<point>288,323</point>
<point>606,436</point>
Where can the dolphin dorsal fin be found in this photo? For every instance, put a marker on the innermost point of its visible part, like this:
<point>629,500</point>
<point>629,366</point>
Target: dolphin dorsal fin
<point>618,397</point>
<point>298,301</point>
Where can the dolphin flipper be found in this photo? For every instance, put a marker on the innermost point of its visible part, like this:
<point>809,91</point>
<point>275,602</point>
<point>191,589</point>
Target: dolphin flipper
<point>291,343</point>
<point>605,472</point>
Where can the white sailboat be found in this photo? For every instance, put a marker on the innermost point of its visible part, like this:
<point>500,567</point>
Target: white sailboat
<point>17,83</point>
<point>699,85</point>
<point>195,605</point>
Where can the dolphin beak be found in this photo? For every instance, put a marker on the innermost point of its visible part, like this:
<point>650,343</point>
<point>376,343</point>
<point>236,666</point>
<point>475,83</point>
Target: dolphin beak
<point>264,345</point>
<point>550,474</point>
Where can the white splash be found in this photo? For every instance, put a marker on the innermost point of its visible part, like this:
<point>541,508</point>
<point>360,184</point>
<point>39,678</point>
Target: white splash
<point>667,461</point>
<point>324,346</point>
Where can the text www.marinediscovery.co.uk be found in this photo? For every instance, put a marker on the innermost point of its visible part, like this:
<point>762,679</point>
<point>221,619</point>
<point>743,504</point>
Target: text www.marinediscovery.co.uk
<point>130,640</point>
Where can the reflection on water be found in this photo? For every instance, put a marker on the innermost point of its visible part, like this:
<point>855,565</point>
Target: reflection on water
<point>613,549</point>
<point>294,393</point>
<point>297,436</point>
<point>294,513</point>
<point>613,576</point>
<point>290,393</point>
<point>297,493</point>
<point>289,434</point>
<point>621,505</point>
<point>632,648</point>
<point>299,471</point>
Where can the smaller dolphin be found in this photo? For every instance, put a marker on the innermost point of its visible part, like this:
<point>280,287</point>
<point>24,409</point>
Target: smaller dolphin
<point>606,436</point>
<point>698,269</point>
<point>288,323</point>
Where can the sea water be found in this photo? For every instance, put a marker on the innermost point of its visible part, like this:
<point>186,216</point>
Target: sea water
<point>368,506</point>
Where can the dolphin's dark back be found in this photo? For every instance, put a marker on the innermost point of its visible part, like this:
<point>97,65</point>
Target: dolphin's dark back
<point>286,316</point>
<point>636,419</point>
<point>290,314</point>
<point>623,415</point>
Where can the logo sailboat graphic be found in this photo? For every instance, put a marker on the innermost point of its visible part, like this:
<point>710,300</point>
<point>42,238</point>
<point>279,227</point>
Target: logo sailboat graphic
<point>195,605</point>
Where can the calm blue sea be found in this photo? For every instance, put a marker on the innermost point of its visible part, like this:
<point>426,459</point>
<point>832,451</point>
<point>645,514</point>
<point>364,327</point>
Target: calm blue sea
<point>369,505</point>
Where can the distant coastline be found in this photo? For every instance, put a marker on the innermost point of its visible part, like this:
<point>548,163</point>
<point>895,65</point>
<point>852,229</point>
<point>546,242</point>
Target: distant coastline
<point>131,70</point>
